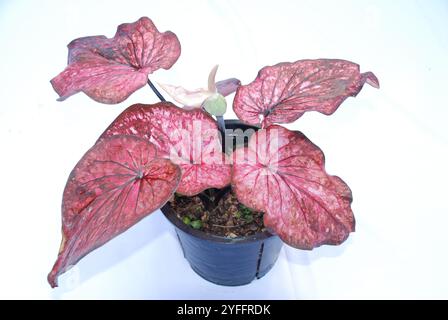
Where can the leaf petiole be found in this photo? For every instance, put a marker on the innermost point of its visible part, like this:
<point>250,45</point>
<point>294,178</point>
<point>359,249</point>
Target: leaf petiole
<point>154,89</point>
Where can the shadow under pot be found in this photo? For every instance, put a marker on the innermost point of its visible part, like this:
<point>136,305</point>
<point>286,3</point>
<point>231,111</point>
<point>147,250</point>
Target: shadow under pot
<point>222,260</point>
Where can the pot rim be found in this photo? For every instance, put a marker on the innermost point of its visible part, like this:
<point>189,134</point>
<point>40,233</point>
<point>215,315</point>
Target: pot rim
<point>172,217</point>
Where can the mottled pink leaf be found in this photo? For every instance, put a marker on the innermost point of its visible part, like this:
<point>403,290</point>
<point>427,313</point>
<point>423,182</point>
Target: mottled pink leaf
<point>110,70</point>
<point>117,182</point>
<point>189,138</point>
<point>282,174</point>
<point>284,92</point>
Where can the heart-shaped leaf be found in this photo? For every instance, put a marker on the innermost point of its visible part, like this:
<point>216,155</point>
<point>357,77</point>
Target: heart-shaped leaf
<point>282,173</point>
<point>117,182</point>
<point>189,138</point>
<point>284,92</point>
<point>110,70</point>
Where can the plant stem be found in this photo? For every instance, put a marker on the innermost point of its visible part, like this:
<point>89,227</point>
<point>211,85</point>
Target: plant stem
<point>154,89</point>
<point>206,201</point>
<point>221,124</point>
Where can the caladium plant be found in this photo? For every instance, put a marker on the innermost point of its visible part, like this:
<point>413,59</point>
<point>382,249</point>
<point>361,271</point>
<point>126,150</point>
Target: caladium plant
<point>118,182</point>
<point>284,92</point>
<point>110,70</point>
<point>282,174</point>
<point>151,152</point>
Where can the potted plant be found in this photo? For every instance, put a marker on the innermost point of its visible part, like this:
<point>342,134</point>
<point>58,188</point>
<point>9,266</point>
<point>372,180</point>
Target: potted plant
<point>235,190</point>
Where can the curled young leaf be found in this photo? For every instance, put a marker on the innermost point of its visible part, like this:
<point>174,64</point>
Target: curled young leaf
<point>282,173</point>
<point>227,86</point>
<point>110,70</point>
<point>191,99</point>
<point>284,92</point>
<point>117,183</point>
<point>188,138</point>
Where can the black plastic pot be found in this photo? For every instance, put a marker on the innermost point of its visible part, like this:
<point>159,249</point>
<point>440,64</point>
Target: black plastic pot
<point>224,261</point>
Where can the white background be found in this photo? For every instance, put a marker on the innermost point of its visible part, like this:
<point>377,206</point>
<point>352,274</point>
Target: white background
<point>389,145</point>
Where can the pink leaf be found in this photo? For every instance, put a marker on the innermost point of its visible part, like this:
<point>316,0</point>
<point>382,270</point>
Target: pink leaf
<point>189,138</point>
<point>282,174</point>
<point>117,182</point>
<point>110,70</point>
<point>284,92</point>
